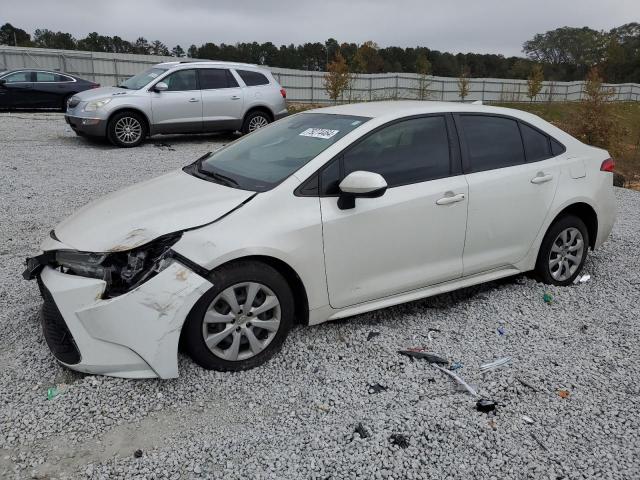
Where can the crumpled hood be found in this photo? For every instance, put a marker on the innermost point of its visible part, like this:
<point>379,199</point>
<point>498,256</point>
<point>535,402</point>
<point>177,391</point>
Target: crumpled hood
<point>102,92</point>
<point>140,213</point>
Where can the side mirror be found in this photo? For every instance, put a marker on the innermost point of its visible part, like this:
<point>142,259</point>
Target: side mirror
<point>161,87</point>
<point>360,184</point>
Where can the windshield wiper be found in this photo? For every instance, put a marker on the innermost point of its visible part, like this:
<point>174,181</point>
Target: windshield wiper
<point>123,86</point>
<point>220,178</point>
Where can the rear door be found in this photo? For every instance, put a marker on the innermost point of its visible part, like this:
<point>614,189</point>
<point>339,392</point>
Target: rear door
<point>178,109</point>
<point>222,99</point>
<point>18,89</point>
<point>511,188</point>
<point>410,237</point>
<point>50,89</point>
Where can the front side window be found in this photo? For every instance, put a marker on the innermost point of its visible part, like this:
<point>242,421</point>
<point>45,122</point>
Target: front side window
<point>264,158</point>
<point>215,78</point>
<point>536,144</point>
<point>142,79</point>
<point>252,79</point>
<point>410,151</point>
<point>182,80</point>
<point>18,77</point>
<point>492,142</point>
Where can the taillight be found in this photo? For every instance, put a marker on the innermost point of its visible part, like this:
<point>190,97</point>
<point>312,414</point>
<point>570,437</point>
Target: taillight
<point>95,85</point>
<point>608,165</point>
<point>283,92</point>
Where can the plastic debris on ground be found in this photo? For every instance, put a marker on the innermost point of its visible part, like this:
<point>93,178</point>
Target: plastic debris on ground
<point>419,352</point>
<point>399,439</point>
<point>582,278</point>
<point>372,335</point>
<point>564,393</point>
<point>485,405</point>
<point>362,431</point>
<point>527,419</point>
<point>137,453</point>
<point>456,366</point>
<point>376,388</point>
<point>466,386</point>
<point>502,330</point>
<point>548,298</point>
<point>489,367</point>
<point>56,391</point>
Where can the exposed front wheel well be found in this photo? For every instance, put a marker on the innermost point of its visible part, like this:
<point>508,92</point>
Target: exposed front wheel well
<point>587,214</point>
<point>135,110</point>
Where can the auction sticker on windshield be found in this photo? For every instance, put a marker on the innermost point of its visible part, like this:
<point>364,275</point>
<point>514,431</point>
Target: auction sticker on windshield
<point>319,133</point>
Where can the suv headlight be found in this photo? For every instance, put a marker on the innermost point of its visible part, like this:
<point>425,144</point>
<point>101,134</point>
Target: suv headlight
<point>96,104</point>
<point>122,271</point>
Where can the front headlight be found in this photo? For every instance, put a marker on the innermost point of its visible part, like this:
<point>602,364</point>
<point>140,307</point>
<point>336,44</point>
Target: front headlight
<point>96,104</point>
<point>122,271</point>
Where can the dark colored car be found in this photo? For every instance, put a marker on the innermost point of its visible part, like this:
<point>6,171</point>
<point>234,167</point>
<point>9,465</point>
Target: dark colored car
<point>30,88</point>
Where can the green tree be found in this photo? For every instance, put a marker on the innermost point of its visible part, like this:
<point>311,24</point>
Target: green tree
<point>367,59</point>
<point>45,38</point>
<point>463,84</point>
<point>534,82</point>
<point>337,78</point>
<point>423,69</point>
<point>10,35</point>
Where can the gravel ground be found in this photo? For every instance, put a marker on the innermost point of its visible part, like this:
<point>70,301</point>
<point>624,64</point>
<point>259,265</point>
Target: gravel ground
<point>308,413</point>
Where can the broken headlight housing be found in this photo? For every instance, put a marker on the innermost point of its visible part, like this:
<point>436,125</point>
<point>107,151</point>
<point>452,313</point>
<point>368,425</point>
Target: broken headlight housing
<point>122,271</point>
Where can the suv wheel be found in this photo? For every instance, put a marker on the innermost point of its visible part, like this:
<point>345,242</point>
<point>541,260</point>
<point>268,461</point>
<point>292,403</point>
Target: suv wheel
<point>563,251</point>
<point>255,121</point>
<point>127,129</point>
<point>242,321</point>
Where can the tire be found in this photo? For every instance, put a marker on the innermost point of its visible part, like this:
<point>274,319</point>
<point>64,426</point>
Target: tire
<point>563,251</point>
<point>118,134</point>
<point>255,120</point>
<point>229,329</point>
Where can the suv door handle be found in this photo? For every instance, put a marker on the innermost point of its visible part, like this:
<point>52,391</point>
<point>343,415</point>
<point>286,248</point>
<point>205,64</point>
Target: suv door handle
<point>449,199</point>
<point>541,178</point>
<point>194,100</point>
<point>235,97</point>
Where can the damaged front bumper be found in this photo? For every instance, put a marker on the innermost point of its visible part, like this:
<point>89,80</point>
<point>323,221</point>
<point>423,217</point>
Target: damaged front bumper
<point>133,335</point>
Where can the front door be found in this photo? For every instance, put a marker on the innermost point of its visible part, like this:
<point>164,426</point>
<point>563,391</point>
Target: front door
<point>17,91</point>
<point>413,235</point>
<point>178,109</point>
<point>222,100</point>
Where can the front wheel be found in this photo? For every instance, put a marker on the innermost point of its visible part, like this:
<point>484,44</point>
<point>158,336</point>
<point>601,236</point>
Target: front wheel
<point>563,251</point>
<point>255,121</point>
<point>126,129</point>
<point>243,320</point>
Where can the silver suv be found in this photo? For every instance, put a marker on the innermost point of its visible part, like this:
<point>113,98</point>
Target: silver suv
<point>179,97</point>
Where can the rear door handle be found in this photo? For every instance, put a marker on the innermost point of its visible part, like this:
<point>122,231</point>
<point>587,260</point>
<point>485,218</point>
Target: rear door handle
<point>449,199</point>
<point>194,100</point>
<point>541,178</point>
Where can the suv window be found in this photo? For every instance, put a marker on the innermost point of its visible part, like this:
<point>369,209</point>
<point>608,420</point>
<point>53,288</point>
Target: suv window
<point>536,144</point>
<point>492,142</point>
<point>252,79</point>
<point>18,77</point>
<point>409,151</point>
<point>182,80</point>
<point>212,78</point>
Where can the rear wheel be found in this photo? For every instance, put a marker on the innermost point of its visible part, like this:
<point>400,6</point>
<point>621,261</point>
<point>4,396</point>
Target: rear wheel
<point>254,121</point>
<point>127,129</point>
<point>563,251</point>
<point>243,320</point>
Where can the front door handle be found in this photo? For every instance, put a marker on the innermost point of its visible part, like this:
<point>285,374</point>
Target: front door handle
<point>194,100</point>
<point>449,199</point>
<point>235,97</point>
<point>541,178</point>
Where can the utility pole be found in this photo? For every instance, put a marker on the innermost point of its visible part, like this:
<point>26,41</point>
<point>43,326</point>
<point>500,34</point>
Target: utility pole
<point>15,39</point>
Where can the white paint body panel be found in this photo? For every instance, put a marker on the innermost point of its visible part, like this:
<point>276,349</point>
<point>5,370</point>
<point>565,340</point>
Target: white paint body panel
<point>399,247</point>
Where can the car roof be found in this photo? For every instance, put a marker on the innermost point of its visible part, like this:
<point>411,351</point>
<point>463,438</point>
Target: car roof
<point>207,63</point>
<point>394,109</point>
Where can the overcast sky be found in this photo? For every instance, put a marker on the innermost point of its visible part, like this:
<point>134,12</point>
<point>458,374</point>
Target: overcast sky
<point>483,26</point>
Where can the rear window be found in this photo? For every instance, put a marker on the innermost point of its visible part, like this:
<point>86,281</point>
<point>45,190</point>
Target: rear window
<point>536,144</point>
<point>492,142</point>
<point>214,78</point>
<point>252,79</point>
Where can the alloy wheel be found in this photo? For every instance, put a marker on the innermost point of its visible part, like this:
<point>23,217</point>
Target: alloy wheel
<point>566,254</point>
<point>241,321</point>
<point>258,122</point>
<point>128,130</point>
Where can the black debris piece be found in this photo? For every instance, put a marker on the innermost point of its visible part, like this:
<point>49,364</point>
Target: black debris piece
<point>362,431</point>
<point>431,380</point>
<point>399,439</point>
<point>372,335</point>
<point>137,453</point>
<point>376,388</point>
<point>430,357</point>
<point>484,405</point>
<point>164,146</point>
<point>584,328</point>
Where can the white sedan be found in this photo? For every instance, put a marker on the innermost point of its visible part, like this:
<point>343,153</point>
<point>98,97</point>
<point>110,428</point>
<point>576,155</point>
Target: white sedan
<point>322,215</point>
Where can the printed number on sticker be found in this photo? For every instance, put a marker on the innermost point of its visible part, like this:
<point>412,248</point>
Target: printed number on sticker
<point>319,133</point>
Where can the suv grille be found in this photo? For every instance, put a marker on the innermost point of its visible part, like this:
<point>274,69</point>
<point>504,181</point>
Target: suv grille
<point>55,330</point>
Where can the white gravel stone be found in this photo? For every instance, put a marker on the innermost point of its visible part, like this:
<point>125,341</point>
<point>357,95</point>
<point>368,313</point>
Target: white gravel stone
<point>295,418</point>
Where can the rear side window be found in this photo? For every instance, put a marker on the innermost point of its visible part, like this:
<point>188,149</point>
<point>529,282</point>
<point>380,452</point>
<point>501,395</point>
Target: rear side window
<point>47,77</point>
<point>536,144</point>
<point>252,79</point>
<point>181,80</point>
<point>411,151</point>
<point>557,148</point>
<point>492,142</point>
<point>214,78</point>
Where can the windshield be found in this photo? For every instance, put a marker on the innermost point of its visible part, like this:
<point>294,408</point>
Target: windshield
<point>142,79</point>
<point>264,158</point>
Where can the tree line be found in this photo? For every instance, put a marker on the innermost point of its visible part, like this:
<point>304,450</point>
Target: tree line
<point>564,54</point>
